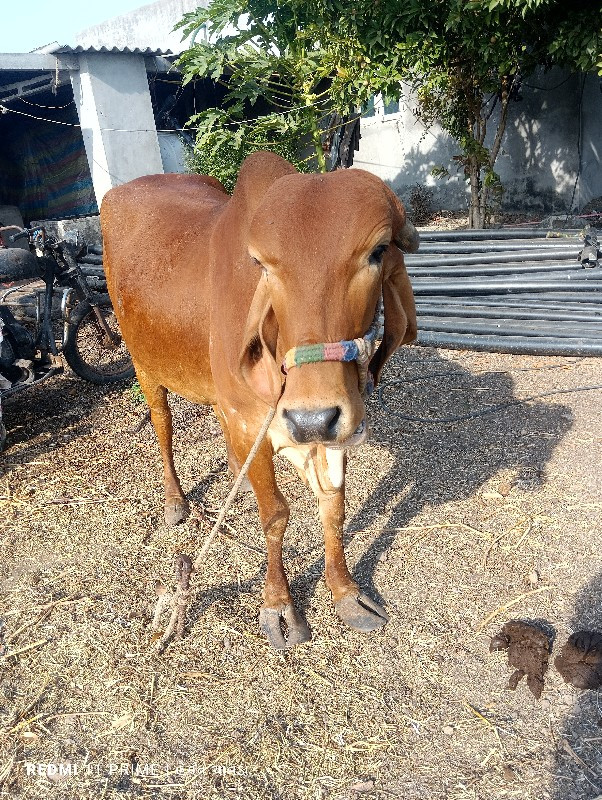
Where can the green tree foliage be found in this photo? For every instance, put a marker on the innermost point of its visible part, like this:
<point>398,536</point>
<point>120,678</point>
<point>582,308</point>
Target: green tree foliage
<point>570,33</point>
<point>224,140</point>
<point>276,77</point>
<point>460,58</point>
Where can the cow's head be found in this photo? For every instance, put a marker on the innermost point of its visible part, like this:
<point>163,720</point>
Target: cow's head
<point>325,248</point>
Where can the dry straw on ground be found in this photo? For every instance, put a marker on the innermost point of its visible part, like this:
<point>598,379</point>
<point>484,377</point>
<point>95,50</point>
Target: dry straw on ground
<point>455,527</point>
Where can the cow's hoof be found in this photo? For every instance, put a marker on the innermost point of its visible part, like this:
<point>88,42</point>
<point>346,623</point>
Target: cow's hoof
<point>176,510</point>
<point>270,623</point>
<point>361,613</point>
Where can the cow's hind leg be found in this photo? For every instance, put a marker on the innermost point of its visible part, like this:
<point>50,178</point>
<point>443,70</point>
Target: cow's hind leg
<point>233,462</point>
<point>279,620</point>
<point>176,505</point>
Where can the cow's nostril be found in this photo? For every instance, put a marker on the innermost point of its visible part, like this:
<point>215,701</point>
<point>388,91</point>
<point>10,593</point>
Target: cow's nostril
<point>334,421</point>
<point>317,425</point>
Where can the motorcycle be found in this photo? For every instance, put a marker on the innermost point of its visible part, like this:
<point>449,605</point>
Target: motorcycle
<point>88,336</point>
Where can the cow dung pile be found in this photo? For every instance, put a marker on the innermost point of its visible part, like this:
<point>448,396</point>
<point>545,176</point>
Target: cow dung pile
<point>580,660</point>
<point>528,647</point>
<point>528,650</point>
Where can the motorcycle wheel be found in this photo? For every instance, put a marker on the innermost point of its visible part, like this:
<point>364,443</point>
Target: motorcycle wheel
<point>87,351</point>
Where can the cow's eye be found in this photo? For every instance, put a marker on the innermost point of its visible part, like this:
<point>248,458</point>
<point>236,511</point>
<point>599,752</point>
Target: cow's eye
<point>258,263</point>
<point>376,256</point>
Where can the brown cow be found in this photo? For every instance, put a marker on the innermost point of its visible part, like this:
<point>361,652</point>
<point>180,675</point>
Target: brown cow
<point>212,292</point>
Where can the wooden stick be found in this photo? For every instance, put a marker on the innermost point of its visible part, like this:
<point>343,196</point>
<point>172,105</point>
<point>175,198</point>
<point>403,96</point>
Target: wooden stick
<point>25,649</point>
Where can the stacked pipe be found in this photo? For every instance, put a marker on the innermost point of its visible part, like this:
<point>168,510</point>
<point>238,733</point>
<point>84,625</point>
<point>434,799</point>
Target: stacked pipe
<point>91,264</point>
<point>507,291</point>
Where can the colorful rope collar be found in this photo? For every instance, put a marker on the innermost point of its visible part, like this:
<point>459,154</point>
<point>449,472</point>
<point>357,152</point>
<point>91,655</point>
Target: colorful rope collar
<point>360,350</point>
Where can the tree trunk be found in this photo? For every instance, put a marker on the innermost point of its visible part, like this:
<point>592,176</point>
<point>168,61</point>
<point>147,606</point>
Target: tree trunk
<point>475,214</point>
<point>479,191</point>
<point>316,136</point>
<point>483,206</point>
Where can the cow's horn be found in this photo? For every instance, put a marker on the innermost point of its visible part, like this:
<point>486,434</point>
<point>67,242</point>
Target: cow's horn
<point>408,239</point>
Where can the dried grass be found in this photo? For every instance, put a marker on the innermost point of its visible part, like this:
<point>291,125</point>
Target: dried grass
<point>445,525</point>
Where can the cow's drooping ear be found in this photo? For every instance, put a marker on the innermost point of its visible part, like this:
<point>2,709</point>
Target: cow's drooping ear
<point>258,358</point>
<point>398,297</point>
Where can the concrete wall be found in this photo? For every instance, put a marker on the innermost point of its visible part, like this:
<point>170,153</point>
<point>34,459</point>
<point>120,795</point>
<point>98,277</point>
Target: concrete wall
<point>539,159</point>
<point>148,26</point>
<point>590,181</point>
<point>540,156</point>
<point>116,116</point>
<point>399,149</point>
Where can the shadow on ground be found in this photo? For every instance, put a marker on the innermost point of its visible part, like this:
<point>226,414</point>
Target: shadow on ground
<point>437,462</point>
<point>42,418</point>
<point>578,771</point>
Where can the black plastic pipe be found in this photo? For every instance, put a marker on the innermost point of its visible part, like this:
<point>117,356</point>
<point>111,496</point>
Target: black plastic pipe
<point>463,311</point>
<point>508,302</point>
<point>92,270</point>
<point>566,278</point>
<point>517,345</point>
<point>523,267</point>
<point>508,327</point>
<point>449,259</point>
<point>91,258</point>
<point>497,233</point>
<point>503,287</point>
<point>510,291</point>
<point>511,245</point>
<point>557,296</point>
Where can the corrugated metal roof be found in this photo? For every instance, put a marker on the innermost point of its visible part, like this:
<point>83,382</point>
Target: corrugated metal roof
<point>148,51</point>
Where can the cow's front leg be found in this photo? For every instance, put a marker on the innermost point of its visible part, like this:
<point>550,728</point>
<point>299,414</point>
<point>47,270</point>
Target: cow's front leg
<point>352,606</point>
<point>279,620</point>
<point>176,505</point>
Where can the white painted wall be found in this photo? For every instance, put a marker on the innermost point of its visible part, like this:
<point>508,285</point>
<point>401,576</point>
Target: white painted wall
<point>398,148</point>
<point>540,156</point>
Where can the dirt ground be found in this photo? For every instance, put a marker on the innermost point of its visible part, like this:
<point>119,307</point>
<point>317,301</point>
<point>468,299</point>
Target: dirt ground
<point>456,527</point>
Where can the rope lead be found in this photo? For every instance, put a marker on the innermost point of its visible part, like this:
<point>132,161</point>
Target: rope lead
<point>180,598</point>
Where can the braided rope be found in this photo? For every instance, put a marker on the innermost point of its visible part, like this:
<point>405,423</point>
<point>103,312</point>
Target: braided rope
<point>233,491</point>
<point>360,350</point>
